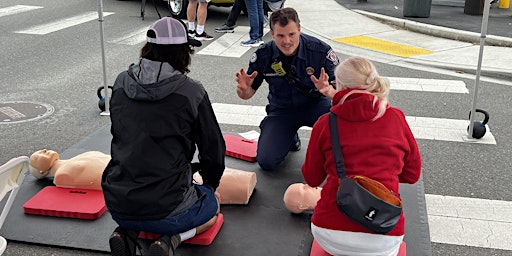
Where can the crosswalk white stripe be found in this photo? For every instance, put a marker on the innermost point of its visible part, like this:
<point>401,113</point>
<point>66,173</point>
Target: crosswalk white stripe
<point>422,127</point>
<point>62,23</point>
<point>469,221</point>
<point>430,128</point>
<point>228,45</point>
<point>17,9</point>
<point>134,38</point>
<point>428,85</point>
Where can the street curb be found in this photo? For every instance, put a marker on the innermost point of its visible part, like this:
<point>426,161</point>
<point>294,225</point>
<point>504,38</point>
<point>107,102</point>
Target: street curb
<point>487,72</point>
<point>439,31</point>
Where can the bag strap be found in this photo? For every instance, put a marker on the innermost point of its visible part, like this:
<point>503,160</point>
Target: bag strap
<point>336,147</point>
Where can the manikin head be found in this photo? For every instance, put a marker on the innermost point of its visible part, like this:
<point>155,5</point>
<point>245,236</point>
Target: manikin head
<point>300,197</point>
<point>41,161</point>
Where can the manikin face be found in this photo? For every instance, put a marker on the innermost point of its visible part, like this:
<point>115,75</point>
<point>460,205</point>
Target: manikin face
<point>301,197</point>
<point>287,37</point>
<point>42,160</point>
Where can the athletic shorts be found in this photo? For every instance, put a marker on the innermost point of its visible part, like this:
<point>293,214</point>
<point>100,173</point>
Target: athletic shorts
<point>201,1</point>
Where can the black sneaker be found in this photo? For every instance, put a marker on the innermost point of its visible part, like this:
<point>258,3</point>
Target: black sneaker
<point>225,29</point>
<point>297,144</point>
<point>192,33</point>
<point>123,242</point>
<point>165,245</point>
<point>203,36</point>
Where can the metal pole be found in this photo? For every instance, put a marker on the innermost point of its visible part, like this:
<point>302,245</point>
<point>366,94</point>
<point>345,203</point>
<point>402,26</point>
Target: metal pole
<point>107,98</point>
<point>485,19</point>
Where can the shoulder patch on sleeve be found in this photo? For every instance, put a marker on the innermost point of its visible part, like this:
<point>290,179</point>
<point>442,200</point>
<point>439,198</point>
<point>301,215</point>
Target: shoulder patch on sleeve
<point>331,55</point>
<point>254,57</point>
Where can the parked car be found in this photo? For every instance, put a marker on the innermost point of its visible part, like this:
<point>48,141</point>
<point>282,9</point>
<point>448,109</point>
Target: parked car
<point>178,8</point>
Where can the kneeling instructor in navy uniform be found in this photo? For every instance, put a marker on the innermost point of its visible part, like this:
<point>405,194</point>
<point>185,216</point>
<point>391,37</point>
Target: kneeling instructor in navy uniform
<point>288,64</point>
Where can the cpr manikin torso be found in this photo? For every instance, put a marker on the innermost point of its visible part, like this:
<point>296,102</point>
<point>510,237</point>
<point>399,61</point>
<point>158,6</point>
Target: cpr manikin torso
<point>300,197</point>
<point>236,186</point>
<point>84,171</point>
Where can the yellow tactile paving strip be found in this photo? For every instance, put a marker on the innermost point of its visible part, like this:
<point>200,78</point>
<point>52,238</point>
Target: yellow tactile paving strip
<point>383,46</point>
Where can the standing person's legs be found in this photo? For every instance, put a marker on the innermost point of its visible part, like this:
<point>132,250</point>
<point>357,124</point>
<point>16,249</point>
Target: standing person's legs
<point>238,5</point>
<point>261,19</point>
<point>255,22</point>
<point>202,11</point>
<point>229,25</point>
<point>191,16</point>
<point>252,13</point>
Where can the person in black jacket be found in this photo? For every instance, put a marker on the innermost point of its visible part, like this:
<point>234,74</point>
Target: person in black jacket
<point>159,116</point>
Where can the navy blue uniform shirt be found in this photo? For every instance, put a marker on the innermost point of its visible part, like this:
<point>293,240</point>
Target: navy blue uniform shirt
<point>312,55</point>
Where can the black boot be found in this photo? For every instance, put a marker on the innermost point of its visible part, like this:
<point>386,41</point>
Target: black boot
<point>123,242</point>
<point>296,145</point>
<point>165,245</point>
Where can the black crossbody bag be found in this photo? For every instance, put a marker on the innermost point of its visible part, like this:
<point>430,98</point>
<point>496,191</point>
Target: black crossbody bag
<point>365,201</point>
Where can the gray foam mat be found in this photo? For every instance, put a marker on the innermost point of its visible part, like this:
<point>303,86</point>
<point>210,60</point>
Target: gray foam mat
<point>263,227</point>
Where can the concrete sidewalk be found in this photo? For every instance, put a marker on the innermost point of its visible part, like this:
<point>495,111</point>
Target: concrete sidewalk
<point>335,23</point>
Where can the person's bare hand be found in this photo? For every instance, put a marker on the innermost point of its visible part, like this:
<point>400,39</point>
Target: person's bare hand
<point>322,84</point>
<point>244,80</point>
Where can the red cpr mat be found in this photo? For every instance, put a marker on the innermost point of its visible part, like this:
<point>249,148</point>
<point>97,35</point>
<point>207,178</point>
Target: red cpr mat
<point>67,203</point>
<point>240,147</point>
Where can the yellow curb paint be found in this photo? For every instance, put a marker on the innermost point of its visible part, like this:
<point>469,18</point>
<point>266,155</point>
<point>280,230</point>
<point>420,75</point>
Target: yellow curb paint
<point>383,46</point>
<point>504,4</point>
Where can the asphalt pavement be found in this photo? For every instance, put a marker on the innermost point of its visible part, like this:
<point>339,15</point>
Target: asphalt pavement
<point>452,36</point>
<point>448,16</point>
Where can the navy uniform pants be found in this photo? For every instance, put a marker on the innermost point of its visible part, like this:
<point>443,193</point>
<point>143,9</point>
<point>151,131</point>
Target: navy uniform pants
<point>279,128</point>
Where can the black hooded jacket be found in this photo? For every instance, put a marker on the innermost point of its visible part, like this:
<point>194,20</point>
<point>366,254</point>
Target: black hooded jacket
<point>158,117</point>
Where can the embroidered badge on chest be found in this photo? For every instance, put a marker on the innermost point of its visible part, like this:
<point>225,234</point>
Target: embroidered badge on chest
<point>333,57</point>
<point>254,57</point>
<point>310,71</point>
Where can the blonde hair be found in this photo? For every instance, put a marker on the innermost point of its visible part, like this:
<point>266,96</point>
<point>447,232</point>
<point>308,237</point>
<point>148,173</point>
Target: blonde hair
<point>360,73</point>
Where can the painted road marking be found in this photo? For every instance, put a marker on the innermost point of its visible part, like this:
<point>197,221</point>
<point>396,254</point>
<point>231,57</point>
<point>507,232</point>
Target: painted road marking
<point>17,9</point>
<point>380,45</point>
<point>469,221</point>
<point>428,128</point>
<point>50,27</point>
<point>428,85</point>
<point>134,38</point>
<point>228,45</point>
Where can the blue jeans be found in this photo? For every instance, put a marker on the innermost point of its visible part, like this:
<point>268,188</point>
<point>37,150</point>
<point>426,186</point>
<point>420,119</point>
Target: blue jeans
<point>201,212</point>
<point>278,129</point>
<point>255,13</point>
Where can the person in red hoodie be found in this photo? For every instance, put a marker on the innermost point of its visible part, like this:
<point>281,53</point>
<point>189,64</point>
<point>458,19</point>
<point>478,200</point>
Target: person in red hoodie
<point>376,142</point>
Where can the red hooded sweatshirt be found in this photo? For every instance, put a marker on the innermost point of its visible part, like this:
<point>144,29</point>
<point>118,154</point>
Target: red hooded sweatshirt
<point>384,150</point>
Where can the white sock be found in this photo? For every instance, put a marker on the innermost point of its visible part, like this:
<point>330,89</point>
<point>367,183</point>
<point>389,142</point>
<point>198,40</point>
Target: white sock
<point>200,29</point>
<point>187,234</point>
<point>191,25</point>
